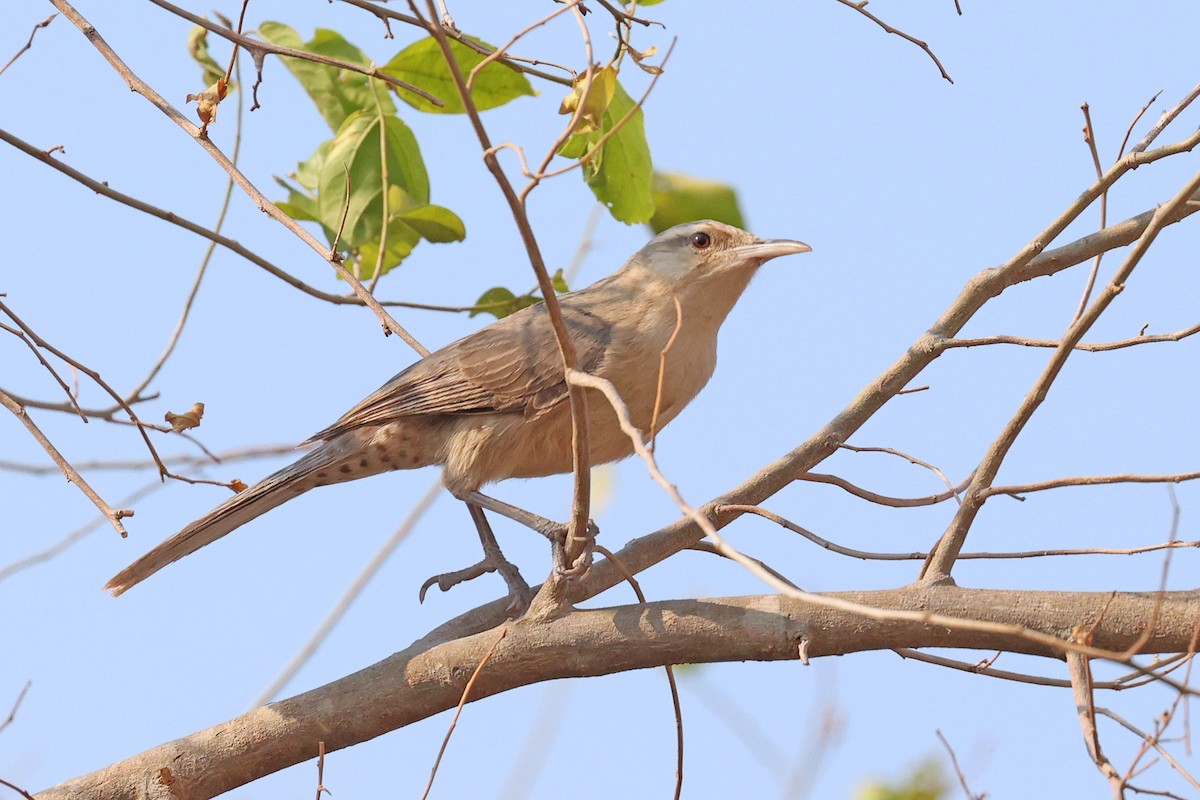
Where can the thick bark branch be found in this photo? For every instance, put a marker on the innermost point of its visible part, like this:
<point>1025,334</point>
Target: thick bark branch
<point>421,681</point>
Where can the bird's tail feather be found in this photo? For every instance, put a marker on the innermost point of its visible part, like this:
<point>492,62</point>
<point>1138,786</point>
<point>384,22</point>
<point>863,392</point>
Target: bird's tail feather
<point>314,469</point>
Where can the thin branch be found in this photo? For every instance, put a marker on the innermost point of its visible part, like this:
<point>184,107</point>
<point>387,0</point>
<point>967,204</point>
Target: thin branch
<point>1089,136</point>
<point>637,590</point>
<point>257,48</point>
<point>95,376</point>
<point>466,692</point>
<point>1162,751</point>
<point>141,87</point>
<point>1081,687</point>
<point>940,564</point>
<point>1098,347</point>
<point>962,779</point>
<point>501,52</point>
<point>884,500</point>
<point>74,404</point>
<point>662,369</point>
<point>861,7</point>
<point>512,62</point>
<point>212,246</point>
<point>789,589</point>
<point>911,459</point>
<point>867,555</point>
<point>114,516</point>
<point>1166,119</point>
<point>102,188</point>
<point>74,536</point>
<point>1089,480</point>
<point>17,789</point>
<point>29,43</point>
<point>578,402</point>
<point>12,714</point>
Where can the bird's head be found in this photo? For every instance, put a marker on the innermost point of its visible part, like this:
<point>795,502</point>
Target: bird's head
<point>696,251</point>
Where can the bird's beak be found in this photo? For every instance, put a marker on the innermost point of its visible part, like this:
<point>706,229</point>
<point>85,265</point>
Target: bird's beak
<point>766,249</point>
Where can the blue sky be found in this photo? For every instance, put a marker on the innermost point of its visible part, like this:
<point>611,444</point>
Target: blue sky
<point>833,133</point>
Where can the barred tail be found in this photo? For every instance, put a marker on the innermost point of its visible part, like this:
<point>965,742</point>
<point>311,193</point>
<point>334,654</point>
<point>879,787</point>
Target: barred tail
<point>276,489</point>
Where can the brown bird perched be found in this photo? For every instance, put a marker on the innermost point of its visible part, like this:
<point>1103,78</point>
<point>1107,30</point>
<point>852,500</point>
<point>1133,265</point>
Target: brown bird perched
<point>493,405</point>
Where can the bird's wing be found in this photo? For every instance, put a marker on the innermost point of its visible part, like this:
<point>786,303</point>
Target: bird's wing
<point>513,365</point>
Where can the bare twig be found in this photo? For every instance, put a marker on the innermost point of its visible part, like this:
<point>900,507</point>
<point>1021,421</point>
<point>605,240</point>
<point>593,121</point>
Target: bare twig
<point>17,789</point>
<point>74,536</point>
<point>232,245</point>
<point>321,771</point>
<point>884,500</point>
<point>513,62</point>
<point>12,715</point>
<point>95,376</point>
<point>1090,480</point>
<point>962,779</point>
<point>868,555</point>
<point>212,246</point>
<point>114,516</point>
<point>258,48</point>
<point>911,459</point>
<point>1162,751</point>
<point>578,402</point>
<point>466,693</point>
<point>1081,687</point>
<point>1166,119</point>
<point>662,369</point>
<point>74,404</point>
<point>637,590</point>
<point>224,457</point>
<point>29,43</point>
<point>940,564</point>
<point>1098,347</point>
<point>141,87</point>
<point>861,7</point>
<point>1089,136</point>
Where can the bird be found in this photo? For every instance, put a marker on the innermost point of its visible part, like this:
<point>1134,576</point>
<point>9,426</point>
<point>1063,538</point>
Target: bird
<point>494,404</point>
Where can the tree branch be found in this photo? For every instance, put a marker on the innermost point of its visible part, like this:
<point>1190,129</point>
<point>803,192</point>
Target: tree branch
<point>420,681</point>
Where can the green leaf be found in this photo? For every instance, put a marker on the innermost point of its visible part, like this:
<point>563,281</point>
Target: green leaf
<point>620,171</point>
<point>338,93</point>
<point>298,205</point>
<point>502,301</point>
<point>599,88</point>
<point>560,283</point>
<point>356,151</point>
<point>197,45</point>
<point>423,65</point>
<point>681,198</point>
<point>434,223</point>
<point>400,242</point>
<point>308,173</point>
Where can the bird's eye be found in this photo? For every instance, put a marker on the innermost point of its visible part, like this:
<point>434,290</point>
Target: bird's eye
<point>701,240</point>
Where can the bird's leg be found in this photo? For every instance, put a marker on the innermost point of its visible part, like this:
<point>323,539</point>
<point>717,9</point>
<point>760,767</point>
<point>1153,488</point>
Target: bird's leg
<point>556,532</point>
<point>493,560</point>
<point>546,527</point>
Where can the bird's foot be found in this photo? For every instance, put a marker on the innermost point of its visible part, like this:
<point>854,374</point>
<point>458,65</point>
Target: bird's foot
<point>519,593</point>
<point>582,562</point>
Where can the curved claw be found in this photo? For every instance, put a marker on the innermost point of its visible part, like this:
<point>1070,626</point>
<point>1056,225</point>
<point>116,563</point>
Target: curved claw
<point>448,580</point>
<point>519,593</point>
